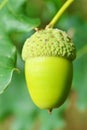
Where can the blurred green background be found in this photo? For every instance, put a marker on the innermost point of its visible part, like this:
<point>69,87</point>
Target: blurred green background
<point>17,22</point>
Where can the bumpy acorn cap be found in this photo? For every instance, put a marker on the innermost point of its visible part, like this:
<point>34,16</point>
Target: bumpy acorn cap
<point>49,42</point>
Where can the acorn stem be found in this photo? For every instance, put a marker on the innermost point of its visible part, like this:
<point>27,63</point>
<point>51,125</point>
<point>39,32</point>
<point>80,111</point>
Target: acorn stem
<point>59,13</point>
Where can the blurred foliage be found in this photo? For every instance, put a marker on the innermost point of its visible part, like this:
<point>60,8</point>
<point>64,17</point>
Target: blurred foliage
<point>17,22</point>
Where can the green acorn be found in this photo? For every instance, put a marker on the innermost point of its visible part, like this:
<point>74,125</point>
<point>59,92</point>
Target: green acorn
<point>48,56</point>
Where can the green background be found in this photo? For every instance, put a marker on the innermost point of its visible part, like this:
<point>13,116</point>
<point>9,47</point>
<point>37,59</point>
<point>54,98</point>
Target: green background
<point>17,22</point>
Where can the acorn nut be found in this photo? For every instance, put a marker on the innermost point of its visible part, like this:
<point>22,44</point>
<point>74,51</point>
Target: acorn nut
<point>48,56</point>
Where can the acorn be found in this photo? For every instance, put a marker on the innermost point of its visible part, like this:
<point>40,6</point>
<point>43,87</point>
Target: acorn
<point>48,56</point>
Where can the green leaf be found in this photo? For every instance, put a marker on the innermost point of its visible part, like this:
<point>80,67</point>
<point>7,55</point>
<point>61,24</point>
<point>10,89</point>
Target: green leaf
<point>7,60</point>
<point>12,20</point>
<point>16,5</point>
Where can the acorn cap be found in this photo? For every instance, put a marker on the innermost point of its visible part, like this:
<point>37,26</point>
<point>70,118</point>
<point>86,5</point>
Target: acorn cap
<point>49,42</point>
